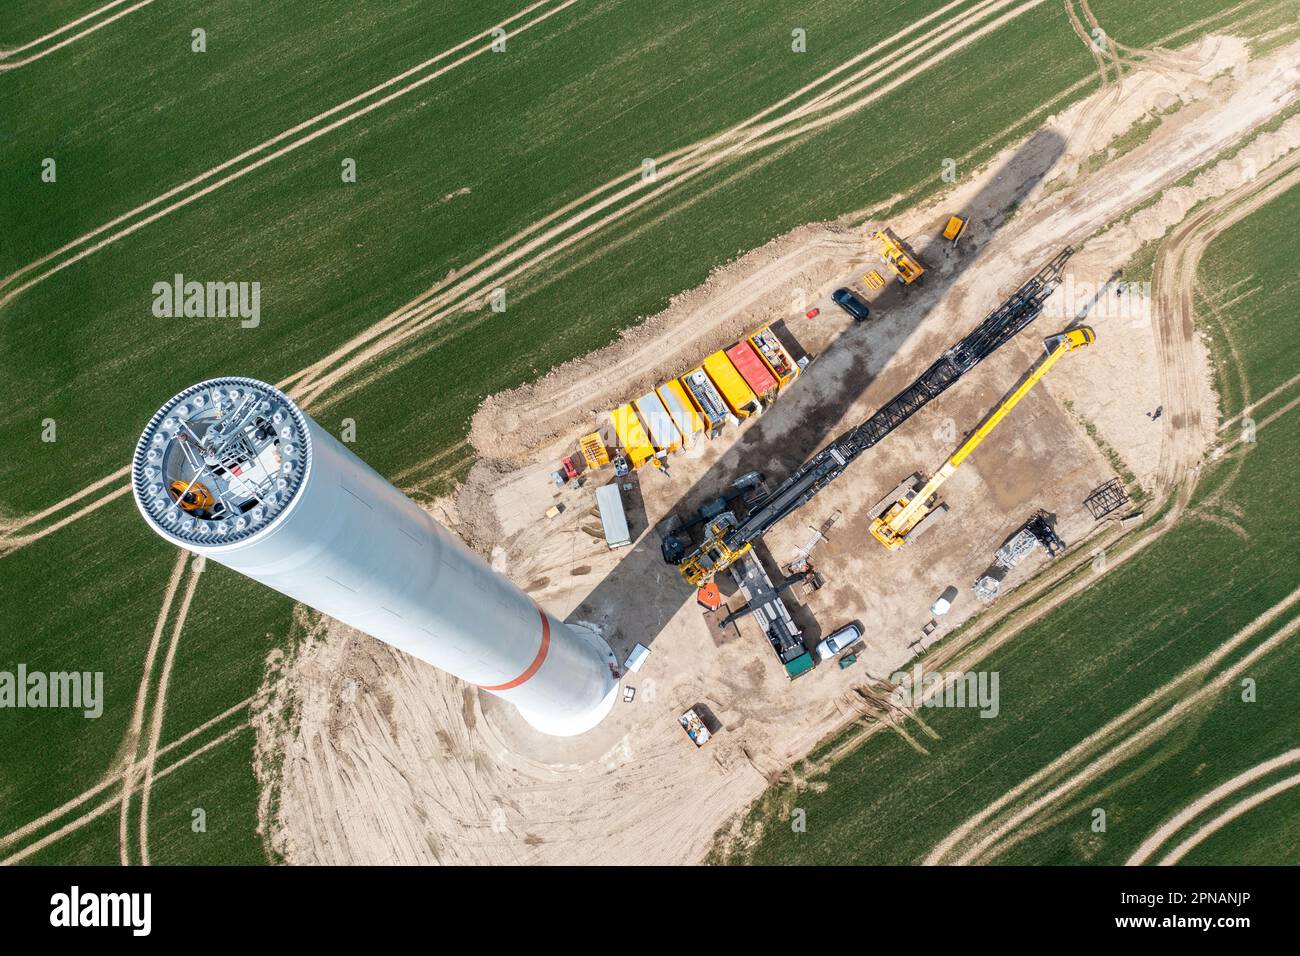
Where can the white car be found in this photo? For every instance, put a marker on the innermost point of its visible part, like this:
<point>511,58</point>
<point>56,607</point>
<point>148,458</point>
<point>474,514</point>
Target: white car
<point>940,607</point>
<point>838,641</point>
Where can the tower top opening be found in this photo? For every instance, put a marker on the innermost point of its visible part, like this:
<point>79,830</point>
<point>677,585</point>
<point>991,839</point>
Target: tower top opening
<point>221,461</point>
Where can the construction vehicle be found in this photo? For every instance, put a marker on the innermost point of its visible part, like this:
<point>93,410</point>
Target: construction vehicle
<point>764,603</point>
<point>891,250</point>
<point>911,507</point>
<point>729,534</point>
<point>956,226</point>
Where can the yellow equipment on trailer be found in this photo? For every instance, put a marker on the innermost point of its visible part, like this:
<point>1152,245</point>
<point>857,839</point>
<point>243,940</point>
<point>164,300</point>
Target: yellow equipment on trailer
<point>912,502</point>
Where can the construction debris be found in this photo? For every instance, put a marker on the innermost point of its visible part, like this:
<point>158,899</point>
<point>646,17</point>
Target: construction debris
<point>1035,532</point>
<point>1107,498</point>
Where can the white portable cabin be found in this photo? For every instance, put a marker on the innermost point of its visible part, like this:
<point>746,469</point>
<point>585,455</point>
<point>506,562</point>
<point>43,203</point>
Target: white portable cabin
<point>609,502</point>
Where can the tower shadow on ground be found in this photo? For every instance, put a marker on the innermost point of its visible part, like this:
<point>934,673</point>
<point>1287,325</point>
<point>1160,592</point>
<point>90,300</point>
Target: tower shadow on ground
<point>779,451</point>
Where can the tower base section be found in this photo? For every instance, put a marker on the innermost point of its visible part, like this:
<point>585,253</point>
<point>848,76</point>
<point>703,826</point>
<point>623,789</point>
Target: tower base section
<point>571,725</point>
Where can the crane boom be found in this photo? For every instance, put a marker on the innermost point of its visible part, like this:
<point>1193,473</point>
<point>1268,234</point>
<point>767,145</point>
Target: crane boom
<point>727,537</point>
<point>902,517</point>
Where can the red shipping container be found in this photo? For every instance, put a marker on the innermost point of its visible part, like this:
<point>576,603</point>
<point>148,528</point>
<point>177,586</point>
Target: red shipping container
<point>752,369</point>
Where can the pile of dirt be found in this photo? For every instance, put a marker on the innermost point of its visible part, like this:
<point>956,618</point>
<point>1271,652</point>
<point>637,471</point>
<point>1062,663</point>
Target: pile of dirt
<point>473,513</point>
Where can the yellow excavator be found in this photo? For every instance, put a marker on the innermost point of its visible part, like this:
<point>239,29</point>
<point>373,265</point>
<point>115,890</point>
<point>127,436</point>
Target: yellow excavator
<point>892,251</point>
<point>903,513</point>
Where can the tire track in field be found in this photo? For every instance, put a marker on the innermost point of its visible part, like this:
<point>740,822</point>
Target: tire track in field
<point>159,710</point>
<point>115,779</point>
<point>248,161</point>
<point>991,831</point>
<point>1148,847</point>
<point>423,307</point>
<point>131,742</point>
<point>445,299</point>
<point>115,801</point>
<point>46,48</point>
<point>1227,816</point>
<point>143,767</point>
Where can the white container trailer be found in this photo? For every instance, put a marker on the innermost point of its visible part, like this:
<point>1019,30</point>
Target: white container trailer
<point>609,502</point>
<point>663,433</point>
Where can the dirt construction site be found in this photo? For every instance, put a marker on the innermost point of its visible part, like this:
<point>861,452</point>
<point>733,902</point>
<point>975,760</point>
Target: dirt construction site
<point>386,759</point>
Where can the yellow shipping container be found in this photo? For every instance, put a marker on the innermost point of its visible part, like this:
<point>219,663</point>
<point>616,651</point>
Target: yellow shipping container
<point>631,436</point>
<point>740,398</point>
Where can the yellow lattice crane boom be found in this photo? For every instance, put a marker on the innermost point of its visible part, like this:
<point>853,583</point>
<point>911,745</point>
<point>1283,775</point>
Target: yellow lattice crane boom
<point>912,502</point>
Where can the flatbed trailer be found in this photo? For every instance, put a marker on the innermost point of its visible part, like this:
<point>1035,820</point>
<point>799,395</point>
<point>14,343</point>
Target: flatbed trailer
<point>772,616</point>
<point>775,355</point>
<point>707,399</point>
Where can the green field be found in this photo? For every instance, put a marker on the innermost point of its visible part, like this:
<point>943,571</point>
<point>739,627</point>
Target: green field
<point>1136,628</point>
<point>579,99</point>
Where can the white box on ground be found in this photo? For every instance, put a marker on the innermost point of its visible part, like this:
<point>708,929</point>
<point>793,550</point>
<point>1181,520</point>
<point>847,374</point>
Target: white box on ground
<point>635,659</point>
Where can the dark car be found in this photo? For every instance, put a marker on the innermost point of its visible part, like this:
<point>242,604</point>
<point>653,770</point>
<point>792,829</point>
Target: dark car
<point>851,304</point>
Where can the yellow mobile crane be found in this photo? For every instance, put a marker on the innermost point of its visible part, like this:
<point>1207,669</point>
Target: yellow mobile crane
<point>911,503</point>
<point>728,526</point>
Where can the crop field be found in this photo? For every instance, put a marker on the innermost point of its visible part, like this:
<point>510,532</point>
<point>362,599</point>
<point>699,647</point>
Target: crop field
<point>1162,696</point>
<point>130,156</point>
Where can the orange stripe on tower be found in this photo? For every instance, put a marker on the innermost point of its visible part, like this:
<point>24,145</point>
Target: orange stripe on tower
<point>537,661</point>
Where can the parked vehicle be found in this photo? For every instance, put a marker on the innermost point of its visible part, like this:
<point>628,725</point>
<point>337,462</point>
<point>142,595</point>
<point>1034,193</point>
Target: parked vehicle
<point>851,304</point>
<point>844,637</point>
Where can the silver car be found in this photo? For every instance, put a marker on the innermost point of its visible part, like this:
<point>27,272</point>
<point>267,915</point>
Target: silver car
<point>844,637</point>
